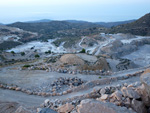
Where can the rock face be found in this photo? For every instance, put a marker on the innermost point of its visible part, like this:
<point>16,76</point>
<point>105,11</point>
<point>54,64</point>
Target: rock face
<point>65,108</point>
<point>93,106</point>
<point>71,59</point>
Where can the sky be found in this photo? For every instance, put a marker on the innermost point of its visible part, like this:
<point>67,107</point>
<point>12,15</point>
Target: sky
<point>88,10</point>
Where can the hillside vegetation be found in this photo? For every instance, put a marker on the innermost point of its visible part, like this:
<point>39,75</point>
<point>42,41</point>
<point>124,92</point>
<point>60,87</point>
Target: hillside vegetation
<point>139,27</point>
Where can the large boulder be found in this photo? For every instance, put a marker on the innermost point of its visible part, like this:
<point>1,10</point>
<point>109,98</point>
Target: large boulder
<point>145,79</point>
<point>66,108</point>
<point>47,110</point>
<point>138,106</point>
<point>129,92</point>
<point>94,106</point>
<point>144,95</point>
<point>71,59</point>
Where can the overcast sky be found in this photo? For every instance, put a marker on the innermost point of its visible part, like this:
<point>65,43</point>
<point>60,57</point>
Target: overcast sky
<point>89,10</point>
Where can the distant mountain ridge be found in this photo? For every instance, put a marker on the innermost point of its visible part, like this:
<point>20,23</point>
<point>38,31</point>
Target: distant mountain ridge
<point>113,24</point>
<point>104,24</point>
<point>38,21</point>
<point>138,27</point>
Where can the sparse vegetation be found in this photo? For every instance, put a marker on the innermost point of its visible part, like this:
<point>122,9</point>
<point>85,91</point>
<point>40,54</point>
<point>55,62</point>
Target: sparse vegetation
<point>8,45</point>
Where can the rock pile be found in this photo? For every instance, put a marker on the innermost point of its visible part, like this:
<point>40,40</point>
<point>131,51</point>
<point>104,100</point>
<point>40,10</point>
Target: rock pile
<point>59,87</point>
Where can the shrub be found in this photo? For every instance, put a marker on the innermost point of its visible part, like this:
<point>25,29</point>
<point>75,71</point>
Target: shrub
<point>26,66</point>
<point>82,51</point>
<point>48,52</point>
<point>12,52</point>
<point>36,56</point>
<point>22,53</point>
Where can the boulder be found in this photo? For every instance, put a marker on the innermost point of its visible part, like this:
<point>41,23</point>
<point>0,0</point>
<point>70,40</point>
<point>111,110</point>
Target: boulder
<point>104,97</point>
<point>144,95</point>
<point>145,79</point>
<point>117,94</point>
<point>21,109</point>
<point>47,110</point>
<point>46,102</point>
<point>65,108</point>
<point>129,92</point>
<point>94,106</point>
<point>138,106</point>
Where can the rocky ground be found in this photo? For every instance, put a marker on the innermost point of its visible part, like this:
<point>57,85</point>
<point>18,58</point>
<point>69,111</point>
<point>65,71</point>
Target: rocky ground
<point>66,92</point>
<point>107,78</point>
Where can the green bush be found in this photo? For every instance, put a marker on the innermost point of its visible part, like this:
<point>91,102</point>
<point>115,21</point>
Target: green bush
<point>82,51</point>
<point>12,52</point>
<point>48,52</point>
<point>27,66</point>
<point>22,53</point>
<point>36,56</point>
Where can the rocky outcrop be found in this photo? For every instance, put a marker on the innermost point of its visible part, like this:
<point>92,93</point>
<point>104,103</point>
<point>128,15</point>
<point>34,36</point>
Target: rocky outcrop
<point>93,106</point>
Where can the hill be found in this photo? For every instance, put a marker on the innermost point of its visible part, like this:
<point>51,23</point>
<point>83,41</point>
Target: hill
<point>113,24</point>
<point>138,27</point>
<point>11,37</point>
<point>38,21</point>
<point>59,29</point>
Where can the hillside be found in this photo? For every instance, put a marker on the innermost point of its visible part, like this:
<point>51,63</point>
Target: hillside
<point>52,26</point>
<point>38,21</point>
<point>11,37</point>
<point>113,24</point>
<point>139,27</point>
<point>60,29</point>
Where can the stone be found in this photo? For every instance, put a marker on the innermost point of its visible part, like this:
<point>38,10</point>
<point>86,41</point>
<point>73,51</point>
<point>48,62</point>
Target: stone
<point>145,79</point>
<point>18,89</point>
<point>144,95</point>
<point>102,91</point>
<point>129,92</point>
<point>46,102</point>
<point>21,109</point>
<point>47,110</point>
<point>66,108</point>
<point>29,92</point>
<point>38,110</point>
<point>94,106</point>
<point>138,106</point>
<point>104,97</point>
<point>118,95</point>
